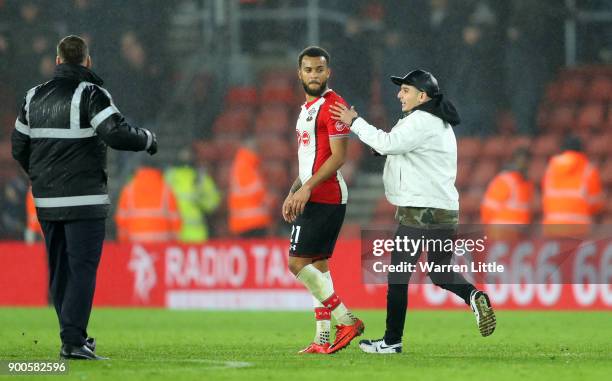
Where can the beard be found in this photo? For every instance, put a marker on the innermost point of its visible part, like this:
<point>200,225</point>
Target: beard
<point>317,92</point>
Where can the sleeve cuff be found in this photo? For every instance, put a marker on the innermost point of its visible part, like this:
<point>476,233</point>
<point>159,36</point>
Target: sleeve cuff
<point>149,139</point>
<point>356,125</point>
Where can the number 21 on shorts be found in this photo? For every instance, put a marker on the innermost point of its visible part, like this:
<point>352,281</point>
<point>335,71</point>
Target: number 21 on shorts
<point>295,229</point>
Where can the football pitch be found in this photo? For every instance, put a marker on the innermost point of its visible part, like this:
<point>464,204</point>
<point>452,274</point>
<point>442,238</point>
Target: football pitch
<point>150,344</point>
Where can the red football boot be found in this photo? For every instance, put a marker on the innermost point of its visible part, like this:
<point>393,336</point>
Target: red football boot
<point>316,348</point>
<point>344,335</point>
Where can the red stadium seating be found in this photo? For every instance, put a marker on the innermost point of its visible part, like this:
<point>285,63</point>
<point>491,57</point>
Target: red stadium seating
<point>276,148</point>
<point>561,117</point>
<point>276,174</point>
<point>496,147</point>
<point>598,146</point>
<point>536,169</point>
<point>234,120</point>
<point>274,119</point>
<point>606,174</point>
<point>483,173</point>
<point>590,116</point>
<point>546,145</point>
<point>204,151</point>
<point>463,173</point>
<point>600,89</point>
<point>572,89</point>
<point>226,146</point>
<point>470,207</point>
<point>468,148</point>
<point>241,95</point>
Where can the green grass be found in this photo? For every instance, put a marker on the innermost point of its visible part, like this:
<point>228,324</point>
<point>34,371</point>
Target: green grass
<point>438,345</point>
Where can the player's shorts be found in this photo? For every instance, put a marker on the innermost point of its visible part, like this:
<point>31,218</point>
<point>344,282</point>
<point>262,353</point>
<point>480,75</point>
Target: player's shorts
<point>314,232</point>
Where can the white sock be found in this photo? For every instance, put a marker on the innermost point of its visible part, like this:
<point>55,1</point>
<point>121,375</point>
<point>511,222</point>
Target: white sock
<point>322,324</point>
<point>322,288</point>
<point>315,282</point>
<point>340,313</point>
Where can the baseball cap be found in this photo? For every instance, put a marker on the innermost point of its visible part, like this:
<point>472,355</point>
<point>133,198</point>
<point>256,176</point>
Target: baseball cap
<point>421,79</point>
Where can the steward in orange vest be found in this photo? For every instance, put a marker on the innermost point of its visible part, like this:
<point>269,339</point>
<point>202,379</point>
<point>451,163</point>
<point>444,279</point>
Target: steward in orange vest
<point>508,199</point>
<point>33,230</point>
<point>248,204</point>
<point>147,210</point>
<point>571,192</point>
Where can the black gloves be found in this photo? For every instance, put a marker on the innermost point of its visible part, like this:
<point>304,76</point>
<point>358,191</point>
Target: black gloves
<point>153,147</point>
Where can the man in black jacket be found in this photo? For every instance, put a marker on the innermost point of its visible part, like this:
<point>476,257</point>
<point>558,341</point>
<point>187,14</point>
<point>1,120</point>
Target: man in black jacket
<point>60,140</point>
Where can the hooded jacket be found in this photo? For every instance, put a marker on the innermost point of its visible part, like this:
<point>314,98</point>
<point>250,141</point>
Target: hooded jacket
<point>421,151</point>
<point>60,140</point>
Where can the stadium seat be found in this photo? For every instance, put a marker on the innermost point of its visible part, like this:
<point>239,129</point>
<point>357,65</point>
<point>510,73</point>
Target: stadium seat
<point>241,95</point>
<point>468,148</point>
<point>546,145</point>
<point>572,89</point>
<point>469,203</point>
<point>561,118</point>
<point>536,170</point>
<point>276,148</point>
<point>598,146</point>
<point>600,89</point>
<point>483,173</point>
<point>204,151</point>
<point>226,145</point>
<point>463,173</point>
<point>222,175</point>
<point>520,142</point>
<point>496,147</point>
<point>276,174</point>
<point>275,93</point>
<point>274,119</point>
<point>234,120</point>
<point>590,116</point>
<point>606,174</point>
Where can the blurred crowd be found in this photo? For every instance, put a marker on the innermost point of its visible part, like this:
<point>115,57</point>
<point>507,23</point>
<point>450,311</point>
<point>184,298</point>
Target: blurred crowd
<point>494,59</point>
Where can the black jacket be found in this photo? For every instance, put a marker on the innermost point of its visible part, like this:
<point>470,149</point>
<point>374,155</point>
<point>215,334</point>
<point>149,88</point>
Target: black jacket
<point>60,140</point>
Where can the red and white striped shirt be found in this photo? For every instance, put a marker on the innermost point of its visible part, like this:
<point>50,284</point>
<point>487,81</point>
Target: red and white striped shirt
<point>315,127</point>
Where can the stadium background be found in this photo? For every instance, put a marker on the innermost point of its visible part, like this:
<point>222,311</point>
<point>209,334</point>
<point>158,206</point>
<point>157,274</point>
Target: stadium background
<point>209,73</point>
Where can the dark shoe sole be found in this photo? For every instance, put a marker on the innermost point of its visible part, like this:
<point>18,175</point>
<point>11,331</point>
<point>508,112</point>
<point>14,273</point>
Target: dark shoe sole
<point>487,322</point>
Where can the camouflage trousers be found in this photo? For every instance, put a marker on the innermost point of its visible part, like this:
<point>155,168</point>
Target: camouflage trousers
<point>427,218</point>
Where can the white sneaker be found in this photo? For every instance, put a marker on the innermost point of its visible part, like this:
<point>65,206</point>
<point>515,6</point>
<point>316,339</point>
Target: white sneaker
<point>379,346</point>
<point>485,317</point>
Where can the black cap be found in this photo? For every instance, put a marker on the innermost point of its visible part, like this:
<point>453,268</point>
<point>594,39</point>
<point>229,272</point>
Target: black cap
<point>421,79</point>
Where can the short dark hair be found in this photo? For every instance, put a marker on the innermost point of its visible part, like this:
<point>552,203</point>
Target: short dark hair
<point>73,50</point>
<point>313,51</point>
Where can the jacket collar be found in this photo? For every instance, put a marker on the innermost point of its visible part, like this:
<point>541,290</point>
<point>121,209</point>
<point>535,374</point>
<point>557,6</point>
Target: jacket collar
<point>77,72</point>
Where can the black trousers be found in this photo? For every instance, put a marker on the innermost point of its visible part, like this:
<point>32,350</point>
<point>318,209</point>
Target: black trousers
<point>74,249</point>
<point>397,293</point>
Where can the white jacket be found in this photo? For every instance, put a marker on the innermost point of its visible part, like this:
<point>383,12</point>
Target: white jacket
<point>421,161</point>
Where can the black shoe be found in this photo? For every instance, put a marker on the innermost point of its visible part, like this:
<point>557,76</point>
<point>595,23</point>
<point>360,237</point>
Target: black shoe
<point>75,352</point>
<point>90,342</point>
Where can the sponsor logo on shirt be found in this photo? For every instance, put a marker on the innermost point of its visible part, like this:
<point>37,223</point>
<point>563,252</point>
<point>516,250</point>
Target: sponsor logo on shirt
<point>341,126</point>
<point>303,138</point>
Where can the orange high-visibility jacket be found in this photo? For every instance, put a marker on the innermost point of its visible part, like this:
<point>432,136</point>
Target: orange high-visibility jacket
<point>147,210</point>
<point>247,200</point>
<point>571,190</point>
<point>32,219</point>
<point>508,200</point>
